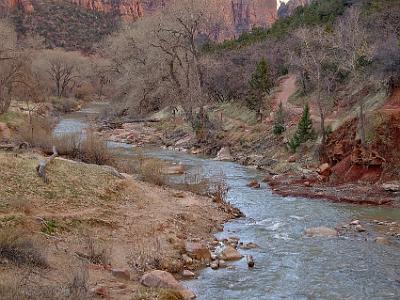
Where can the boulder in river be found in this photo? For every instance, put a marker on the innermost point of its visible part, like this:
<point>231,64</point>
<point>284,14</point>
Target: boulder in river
<point>188,274</point>
<point>247,246</point>
<point>254,184</point>
<point>224,154</point>
<point>214,265</point>
<point>250,261</point>
<point>230,253</point>
<point>382,240</point>
<point>164,280</point>
<point>321,232</point>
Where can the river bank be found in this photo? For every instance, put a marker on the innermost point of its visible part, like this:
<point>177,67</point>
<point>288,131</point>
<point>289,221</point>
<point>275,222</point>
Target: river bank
<point>87,220</point>
<point>287,174</point>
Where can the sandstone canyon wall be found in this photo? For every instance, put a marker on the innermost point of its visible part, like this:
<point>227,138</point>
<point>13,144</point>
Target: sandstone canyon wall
<point>286,9</point>
<point>238,15</point>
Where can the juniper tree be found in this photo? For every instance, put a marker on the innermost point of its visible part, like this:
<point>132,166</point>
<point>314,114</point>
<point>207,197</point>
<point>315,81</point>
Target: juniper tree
<point>304,130</point>
<point>279,122</point>
<point>260,85</point>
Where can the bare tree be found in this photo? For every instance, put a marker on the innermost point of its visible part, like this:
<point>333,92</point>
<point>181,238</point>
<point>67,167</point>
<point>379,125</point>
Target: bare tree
<point>63,73</point>
<point>311,57</point>
<point>11,65</point>
<point>351,39</point>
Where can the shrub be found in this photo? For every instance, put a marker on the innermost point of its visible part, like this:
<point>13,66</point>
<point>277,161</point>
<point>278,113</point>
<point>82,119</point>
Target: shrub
<point>20,250</point>
<point>94,150</point>
<point>151,170</point>
<point>279,122</point>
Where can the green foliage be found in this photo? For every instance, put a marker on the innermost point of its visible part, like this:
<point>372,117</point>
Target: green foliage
<point>279,122</point>
<point>304,130</point>
<point>49,227</point>
<point>323,12</point>
<point>260,84</point>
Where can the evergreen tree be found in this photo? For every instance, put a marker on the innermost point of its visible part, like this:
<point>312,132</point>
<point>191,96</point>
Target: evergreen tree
<point>304,130</point>
<point>260,85</point>
<point>279,122</point>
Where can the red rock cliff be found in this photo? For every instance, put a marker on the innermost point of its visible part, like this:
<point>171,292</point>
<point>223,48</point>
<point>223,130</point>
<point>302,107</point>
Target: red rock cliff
<point>238,15</point>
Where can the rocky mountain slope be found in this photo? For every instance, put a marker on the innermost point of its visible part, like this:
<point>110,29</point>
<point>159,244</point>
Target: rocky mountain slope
<point>239,15</point>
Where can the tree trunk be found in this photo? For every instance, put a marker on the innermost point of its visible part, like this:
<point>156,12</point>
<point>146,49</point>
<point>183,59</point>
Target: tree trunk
<point>41,168</point>
<point>362,124</point>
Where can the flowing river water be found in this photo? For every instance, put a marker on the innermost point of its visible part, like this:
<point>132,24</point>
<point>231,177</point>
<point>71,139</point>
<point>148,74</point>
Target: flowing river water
<point>288,265</point>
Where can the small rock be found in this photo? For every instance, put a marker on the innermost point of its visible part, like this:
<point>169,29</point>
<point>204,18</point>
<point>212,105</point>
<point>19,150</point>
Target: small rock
<point>121,273</point>
<point>187,260</point>
<point>321,232</point>
<point>254,184</point>
<point>198,250</point>
<point>355,222</point>
<point>188,274</point>
<point>246,246</point>
<point>382,241</point>
<point>101,292</point>
<point>222,263</point>
<point>324,170</point>
<point>250,261</point>
<point>213,256</point>
<point>307,184</point>
<point>391,187</point>
<point>214,265</point>
<point>292,159</point>
<point>230,253</point>
<point>164,280</point>
<point>224,154</point>
<point>359,228</point>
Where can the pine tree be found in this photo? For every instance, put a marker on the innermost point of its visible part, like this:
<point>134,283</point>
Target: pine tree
<point>260,85</point>
<point>304,130</point>
<point>279,122</point>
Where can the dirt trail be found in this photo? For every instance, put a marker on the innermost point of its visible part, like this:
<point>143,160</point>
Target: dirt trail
<point>4,131</point>
<point>287,87</point>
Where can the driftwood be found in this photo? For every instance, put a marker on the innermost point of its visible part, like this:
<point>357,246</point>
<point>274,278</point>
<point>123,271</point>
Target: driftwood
<point>41,168</point>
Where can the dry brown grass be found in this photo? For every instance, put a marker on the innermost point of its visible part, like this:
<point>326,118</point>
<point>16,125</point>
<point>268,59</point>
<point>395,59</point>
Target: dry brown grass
<point>151,170</point>
<point>21,250</point>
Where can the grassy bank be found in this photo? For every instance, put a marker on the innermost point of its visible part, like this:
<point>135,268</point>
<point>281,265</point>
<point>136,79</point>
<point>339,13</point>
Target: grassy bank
<point>62,239</point>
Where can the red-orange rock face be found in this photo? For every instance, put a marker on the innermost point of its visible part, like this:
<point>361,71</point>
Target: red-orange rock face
<point>238,15</point>
<point>25,5</point>
<point>127,9</point>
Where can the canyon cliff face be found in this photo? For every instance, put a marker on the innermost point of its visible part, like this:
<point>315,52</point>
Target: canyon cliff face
<point>238,15</point>
<point>287,9</point>
<point>128,9</point>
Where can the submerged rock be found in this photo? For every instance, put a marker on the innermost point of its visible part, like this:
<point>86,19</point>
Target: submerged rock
<point>246,246</point>
<point>214,265</point>
<point>254,184</point>
<point>250,261</point>
<point>382,240</point>
<point>321,232</point>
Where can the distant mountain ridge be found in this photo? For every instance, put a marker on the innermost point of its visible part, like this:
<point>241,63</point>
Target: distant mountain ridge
<point>239,15</point>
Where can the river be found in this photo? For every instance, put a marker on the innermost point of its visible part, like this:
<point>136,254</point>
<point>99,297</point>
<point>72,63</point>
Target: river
<point>288,266</point>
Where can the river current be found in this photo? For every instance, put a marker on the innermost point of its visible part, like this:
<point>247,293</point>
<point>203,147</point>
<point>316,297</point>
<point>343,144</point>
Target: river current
<point>288,265</point>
